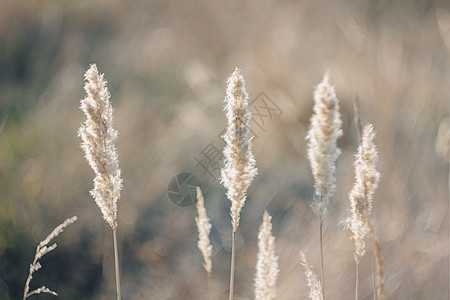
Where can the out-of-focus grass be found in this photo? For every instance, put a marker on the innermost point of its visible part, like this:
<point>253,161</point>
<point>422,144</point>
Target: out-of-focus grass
<point>166,66</point>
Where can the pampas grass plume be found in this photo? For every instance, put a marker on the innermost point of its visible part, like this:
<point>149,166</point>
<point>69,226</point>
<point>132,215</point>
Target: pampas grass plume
<point>267,263</point>
<point>315,287</point>
<point>203,227</point>
<point>98,136</point>
<point>239,168</point>
<point>361,196</point>
<point>322,138</point>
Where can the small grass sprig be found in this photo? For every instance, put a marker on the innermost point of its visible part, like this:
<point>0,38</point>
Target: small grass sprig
<point>41,250</point>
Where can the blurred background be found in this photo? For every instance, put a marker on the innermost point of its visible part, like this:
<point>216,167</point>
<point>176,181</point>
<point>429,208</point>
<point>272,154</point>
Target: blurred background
<point>166,63</point>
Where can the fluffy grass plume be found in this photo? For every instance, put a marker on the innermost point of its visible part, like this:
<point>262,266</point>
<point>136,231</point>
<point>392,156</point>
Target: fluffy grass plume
<point>204,227</point>
<point>239,166</point>
<point>315,287</point>
<point>267,263</point>
<point>322,138</point>
<point>41,250</point>
<point>361,195</point>
<point>98,136</point>
<point>323,152</point>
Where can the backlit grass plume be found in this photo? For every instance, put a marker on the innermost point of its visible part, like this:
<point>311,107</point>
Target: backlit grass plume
<point>98,136</point>
<point>267,263</point>
<point>41,250</point>
<point>315,287</point>
<point>239,165</point>
<point>361,195</point>
<point>203,227</point>
<point>322,137</point>
<point>239,168</point>
<point>323,152</point>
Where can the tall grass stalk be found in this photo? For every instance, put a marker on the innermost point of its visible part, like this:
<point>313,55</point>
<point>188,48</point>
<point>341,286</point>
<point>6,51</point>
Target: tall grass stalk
<point>98,136</point>
<point>239,164</point>
<point>325,129</point>
<point>361,196</point>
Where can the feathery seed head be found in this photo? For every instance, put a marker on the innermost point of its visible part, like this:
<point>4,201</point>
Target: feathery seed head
<point>239,165</point>
<point>361,195</point>
<point>98,136</point>
<point>315,287</point>
<point>267,263</point>
<point>203,227</point>
<point>322,137</point>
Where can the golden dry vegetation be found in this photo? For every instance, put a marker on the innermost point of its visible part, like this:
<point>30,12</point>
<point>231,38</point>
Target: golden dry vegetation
<point>166,63</point>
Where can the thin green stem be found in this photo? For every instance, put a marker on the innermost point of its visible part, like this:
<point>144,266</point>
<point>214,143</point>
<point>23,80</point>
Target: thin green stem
<point>116,262</point>
<point>233,258</point>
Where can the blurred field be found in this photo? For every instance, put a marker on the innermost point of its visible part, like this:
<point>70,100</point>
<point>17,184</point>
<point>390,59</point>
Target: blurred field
<point>166,64</point>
